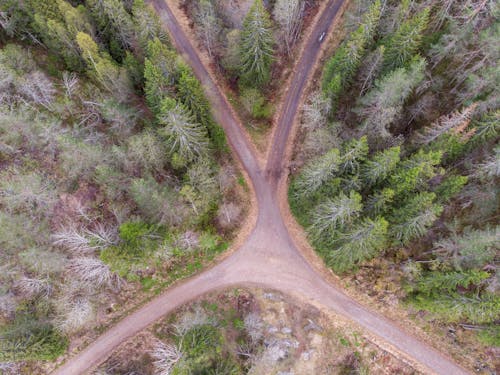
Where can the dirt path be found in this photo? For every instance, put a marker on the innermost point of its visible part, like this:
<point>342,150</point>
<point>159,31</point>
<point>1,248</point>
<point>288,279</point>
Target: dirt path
<point>269,257</point>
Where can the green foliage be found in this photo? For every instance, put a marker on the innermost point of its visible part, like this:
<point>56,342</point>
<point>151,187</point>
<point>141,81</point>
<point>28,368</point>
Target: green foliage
<point>415,172</point>
<point>414,218</point>
<point>255,103</point>
<point>132,233</point>
<point>160,73</point>
<point>29,339</point>
<point>102,68</point>
<point>381,165</point>
<point>342,66</point>
<point>359,244</point>
<point>437,282</point>
<point>256,46</point>
<point>404,43</point>
<point>451,186</point>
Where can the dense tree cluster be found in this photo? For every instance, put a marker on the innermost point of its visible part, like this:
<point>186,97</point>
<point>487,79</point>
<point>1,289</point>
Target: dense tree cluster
<point>108,162</point>
<point>400,153</point>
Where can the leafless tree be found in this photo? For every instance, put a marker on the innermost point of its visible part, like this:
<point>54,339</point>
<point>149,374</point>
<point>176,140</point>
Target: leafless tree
<point>208,25</point>
<point>254,327</point>
<point>228,214</point>
<point>92,273</point>
<point>456,122</point>
<point>188,241</point>
<point>84,241</point>
<point>288,14</point>
<point>33,287</point>
<point>316,111</point>
<point>165,357</point>
<point>37,88</point>
<point>74,312</point>
<point>70,83</point>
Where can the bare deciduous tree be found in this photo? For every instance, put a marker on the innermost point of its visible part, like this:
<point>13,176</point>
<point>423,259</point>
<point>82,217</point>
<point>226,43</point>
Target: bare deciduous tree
<point>288,14</point>
<point>93,273</point>
<point>316,111</point>
<point>33,287</point>
<point>165,357</point>
<point>209,27</point>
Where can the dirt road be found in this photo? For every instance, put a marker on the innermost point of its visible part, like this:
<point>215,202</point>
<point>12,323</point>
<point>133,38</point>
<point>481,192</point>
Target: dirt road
<point>269,258</point>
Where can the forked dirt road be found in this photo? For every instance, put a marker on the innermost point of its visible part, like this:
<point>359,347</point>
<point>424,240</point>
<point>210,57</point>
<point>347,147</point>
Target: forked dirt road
<point>269,257</point>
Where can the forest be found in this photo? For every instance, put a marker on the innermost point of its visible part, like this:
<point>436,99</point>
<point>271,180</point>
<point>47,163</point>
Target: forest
<point>114,178</point>
<point>252,46</point>
<point>399,158</point>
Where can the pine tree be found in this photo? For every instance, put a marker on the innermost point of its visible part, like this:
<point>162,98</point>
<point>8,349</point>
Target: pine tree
<point>114,24</point>
<point>256,49</point>
<point>471,249</point>
<point>362,242</point>
<point>405,42</point>
<point>414,173</point>
<point>191,95</point>
<point>379,202</point>
<point>354,153</point>
<point>147,24</point>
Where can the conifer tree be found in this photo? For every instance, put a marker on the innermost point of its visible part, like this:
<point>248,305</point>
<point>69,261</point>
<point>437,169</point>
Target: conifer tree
<point>183,136</point>
<point>318,172</point>
<point>405,42</point>
<point>341,68</point>
<point>382,104</point>
<point>335,214</point>
<point>379,166</point>
<point>360,243</point>
<point>160,72</point>
<point>414,218</point>
<point>256,49</point>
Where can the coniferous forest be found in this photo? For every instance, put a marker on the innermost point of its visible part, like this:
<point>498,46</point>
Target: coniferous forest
<point>399,156</point>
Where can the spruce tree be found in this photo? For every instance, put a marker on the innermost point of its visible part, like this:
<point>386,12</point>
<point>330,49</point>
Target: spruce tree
<point>358,244</point>
<point>341,68</point>
<point>256,48</point>
<point>405,42</point>
<point>183,135</point>
<point>379,166</point>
